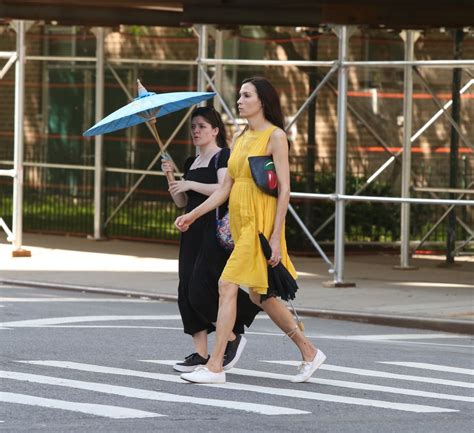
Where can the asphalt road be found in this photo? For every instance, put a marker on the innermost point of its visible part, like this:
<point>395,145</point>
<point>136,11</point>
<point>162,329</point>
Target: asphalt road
<point>74,362</point>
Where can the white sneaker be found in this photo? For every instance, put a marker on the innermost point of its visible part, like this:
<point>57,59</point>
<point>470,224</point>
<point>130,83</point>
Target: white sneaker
<point>204,375</point>
<point>307,368</point>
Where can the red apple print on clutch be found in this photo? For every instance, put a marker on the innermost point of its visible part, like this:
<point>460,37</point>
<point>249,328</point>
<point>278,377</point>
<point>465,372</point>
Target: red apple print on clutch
<point>264,174</point>
<point>272,181</point>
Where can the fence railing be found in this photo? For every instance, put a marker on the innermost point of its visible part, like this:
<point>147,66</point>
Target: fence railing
<point>52,205</point>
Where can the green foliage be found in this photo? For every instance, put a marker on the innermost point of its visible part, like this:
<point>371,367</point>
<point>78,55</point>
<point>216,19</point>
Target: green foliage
<point>376,222</point>
<point>152,217</point>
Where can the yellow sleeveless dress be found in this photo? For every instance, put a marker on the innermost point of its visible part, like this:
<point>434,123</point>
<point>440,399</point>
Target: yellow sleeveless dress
<point>251,211</point>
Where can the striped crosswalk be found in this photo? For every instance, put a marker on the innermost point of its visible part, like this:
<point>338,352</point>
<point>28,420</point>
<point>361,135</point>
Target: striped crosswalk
<point>87,408</point>
<point>146,394</point>
<point>434,367</point>
<point>103,378</point>
<point>348,384</point>
<point>293,393</point>
<point>383,374</point>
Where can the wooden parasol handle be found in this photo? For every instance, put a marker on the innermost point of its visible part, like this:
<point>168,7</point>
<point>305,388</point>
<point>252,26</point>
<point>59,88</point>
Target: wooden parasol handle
<point>152,122</point>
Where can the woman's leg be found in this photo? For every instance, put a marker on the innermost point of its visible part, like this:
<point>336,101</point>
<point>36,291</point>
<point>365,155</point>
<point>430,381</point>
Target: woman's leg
<point>225,322</point>
<point>284,320</point>
<point>246,312</point>
<point>200,343</point>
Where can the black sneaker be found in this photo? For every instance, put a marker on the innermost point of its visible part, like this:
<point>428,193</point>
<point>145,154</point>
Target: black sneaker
<point>190,363</point>
<point>233,351</point>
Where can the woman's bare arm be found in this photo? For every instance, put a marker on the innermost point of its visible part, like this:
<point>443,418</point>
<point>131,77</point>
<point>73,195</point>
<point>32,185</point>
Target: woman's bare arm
<point>215,199</point>
<point>181,186</point>
<point>278,147</point>
<point>179,197</point>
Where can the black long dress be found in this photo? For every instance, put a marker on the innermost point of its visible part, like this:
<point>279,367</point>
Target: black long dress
<point>201,261</point>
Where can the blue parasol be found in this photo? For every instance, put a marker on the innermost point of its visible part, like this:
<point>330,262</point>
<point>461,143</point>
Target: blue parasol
<point>145,108</point>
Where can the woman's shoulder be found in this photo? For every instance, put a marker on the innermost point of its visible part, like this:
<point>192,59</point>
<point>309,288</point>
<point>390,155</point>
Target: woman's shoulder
<point>278,140</point>
<point>278,133</point>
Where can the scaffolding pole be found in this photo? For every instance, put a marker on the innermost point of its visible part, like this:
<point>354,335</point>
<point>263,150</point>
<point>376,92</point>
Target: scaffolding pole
<point>99,173</point>
<point>17,223</point>
<point>409,38</point>
<point>203,53</point>
<point>340,206</point>
<point>219,73</point>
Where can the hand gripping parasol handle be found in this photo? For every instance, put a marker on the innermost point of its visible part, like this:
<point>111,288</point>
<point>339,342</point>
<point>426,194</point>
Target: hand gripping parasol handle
<point>169,175</point>
<point>164,155</point>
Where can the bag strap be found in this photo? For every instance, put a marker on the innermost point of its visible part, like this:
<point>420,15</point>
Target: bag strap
<point>216,163</point>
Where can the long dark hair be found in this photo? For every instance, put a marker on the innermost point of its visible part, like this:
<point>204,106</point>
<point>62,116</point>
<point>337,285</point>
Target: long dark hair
<point>270,101</point>
<point>214,119</point>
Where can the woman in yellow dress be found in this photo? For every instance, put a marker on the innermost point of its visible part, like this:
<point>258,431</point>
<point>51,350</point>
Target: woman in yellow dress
<point>252,211</point>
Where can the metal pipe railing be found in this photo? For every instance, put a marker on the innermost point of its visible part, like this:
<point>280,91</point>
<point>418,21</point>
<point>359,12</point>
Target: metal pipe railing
<point>8,173</point>
<point>376,199</point>
<point>302,195</point>
<point>7,230</point>
<point>346,63</point>
<point>447,190</point>
<point>110,60</point>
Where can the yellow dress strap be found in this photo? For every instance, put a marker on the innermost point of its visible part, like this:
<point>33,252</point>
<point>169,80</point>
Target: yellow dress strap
<point>264,138</point>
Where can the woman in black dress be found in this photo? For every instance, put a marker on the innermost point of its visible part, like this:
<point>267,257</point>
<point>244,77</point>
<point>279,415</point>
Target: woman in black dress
<point>201,258</point>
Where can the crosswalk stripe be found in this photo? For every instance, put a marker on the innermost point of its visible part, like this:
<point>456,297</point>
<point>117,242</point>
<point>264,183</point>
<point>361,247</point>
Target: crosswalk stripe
<point>82,319</point>
<point>341,384</point>
<point>72,299</point>
<point>421,343</point>
<point>382,374</point>
<point>104,410</point>
<point>434,367</point>
<point>376,338</point>
<point>145,394</point>
<point>380,337</point>
<point>295,393</point>
<point>168,328</point>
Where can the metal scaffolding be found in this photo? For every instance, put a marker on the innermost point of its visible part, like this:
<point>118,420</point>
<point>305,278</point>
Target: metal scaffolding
<point>339,66</point>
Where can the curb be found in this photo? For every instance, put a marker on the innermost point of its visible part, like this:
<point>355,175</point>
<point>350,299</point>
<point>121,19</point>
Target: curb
<point>452,326</point>
<point>427,323</point>
<point>89,289</point>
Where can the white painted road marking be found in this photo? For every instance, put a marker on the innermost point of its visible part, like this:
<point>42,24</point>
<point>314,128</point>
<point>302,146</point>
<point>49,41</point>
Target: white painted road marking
<point>293,393</point>
<point>169,328</point>
<point>340,383</point>
<point>104,410</point>
<point>406,336</point>
<point>72,299</point>
<point>375,338</point>
<point>382,374</point>
<point>82,319</point>
<point>419,343</point>
<point>434,367</point>
<point>145,394</point>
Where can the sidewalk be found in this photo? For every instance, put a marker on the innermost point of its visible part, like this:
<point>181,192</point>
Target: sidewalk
<point>431,297</point>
